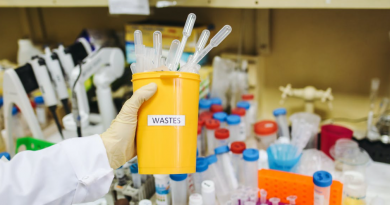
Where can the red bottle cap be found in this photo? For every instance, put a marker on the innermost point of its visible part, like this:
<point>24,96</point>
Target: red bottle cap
<point>212,124</point>
<point>221,134</point>
<point>206,115</point>
<point>199,129</point>
<point>237,147</point>
<point>247,97</point>
<point>216,108</point>
<point>238,111</point>
<point>201,122</point>
<point>266,127</point>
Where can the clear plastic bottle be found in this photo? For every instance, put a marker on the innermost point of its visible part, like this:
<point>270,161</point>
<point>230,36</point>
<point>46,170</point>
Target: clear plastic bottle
<point>204,105</point>
<point>201,173</point>
<point>135,176</point>
<point>40,110</point>
<point>225,164</point>
<point>251,157</point>
<point>221,137</point>
<point>322,181</point>
<point>241,112</point>
<point>163,196</point>
<point>233,122</point>
<point>221,117</point>
<point>211,126</point>
<point>248,121</point>
<point>237,148</point>
<point>178,188</point>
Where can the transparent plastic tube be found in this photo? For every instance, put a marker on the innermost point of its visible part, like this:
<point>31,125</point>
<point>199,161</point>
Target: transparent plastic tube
<point>171,54</point>
<point>189,25</point>
<point>202,41</point>
<point>178,188</point>
<point>208,192</point>
<point>221,188</point>
<point>226,165</point>
<point>251,157</point>
<point>283,125</point>
<point>201,173</point>
<point>157,45</point>
<point>139,50</point>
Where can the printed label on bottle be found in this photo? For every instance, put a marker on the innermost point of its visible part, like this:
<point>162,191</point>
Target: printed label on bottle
<point>162,193</point>
<point>166,120</point>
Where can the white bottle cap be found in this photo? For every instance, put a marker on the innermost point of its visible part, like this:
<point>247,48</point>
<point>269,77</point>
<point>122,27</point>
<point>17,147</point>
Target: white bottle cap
<point>208,186</point>
<point>145,202</point>
<point>196,199</point>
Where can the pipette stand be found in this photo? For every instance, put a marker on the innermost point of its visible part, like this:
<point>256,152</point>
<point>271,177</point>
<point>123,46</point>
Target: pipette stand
<point>309,94</point>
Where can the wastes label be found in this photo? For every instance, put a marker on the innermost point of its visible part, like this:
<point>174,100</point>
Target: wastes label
<point>166,120</point>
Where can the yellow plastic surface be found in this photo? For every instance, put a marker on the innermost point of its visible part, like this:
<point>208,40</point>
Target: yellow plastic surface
<point>168,149</point>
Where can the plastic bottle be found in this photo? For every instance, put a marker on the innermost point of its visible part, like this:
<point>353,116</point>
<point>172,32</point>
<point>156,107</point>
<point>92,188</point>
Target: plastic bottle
<point>204,105</point>
<point>248,121</point>
<point>216,175</point>
<point>208,192</point>
<point>233,122</point>
<point>281,119</point>
<point>221,117</point>
<point>216,108</point>
<point>253,107</point>
<point>221,137</point>
<point>135,176</point>
<point>26,50</point>
<point>266,132</point>
<point>226,165</point>
<point>322,181</point>
<point>178,188</point>
<point>196,199</point>
<point>162,189</point>
<point>40,110</point>
<point>241,112</point>
<point>201,173</point>
<point>237,148</point>
<point>120,175</point>
<point>251,157</point>
<point>211,126</point>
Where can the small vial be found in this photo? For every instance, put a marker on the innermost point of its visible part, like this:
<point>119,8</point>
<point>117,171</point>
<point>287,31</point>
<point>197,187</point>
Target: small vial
<point>251,157</point>
<point>40,110</point>
<point>225,164</point>
<point>221,137</point>
<point>204,105</point>
<point>145,202</point>
<point>248,119</point>
<point>120,175</point>
<point>211,126</point>
<point>162,189</point>
<point>241,113</point>
<point>233,122</point>
<point>237,148</point>
<point>281,120</point>
<point>274,201</point>
<point>135,176</point>
<point>196,199</point>
<point>322,181</point>
<point>178,188</point>
<point>208,192</point>
<point>292,199</point>
<point>221,117</point>
<point>263,196</point>
<point>216,108</point>
<point>201,173</point>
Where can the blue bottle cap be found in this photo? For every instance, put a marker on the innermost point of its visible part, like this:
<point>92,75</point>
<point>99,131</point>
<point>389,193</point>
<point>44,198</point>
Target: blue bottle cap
<point>233,120</point>
<point>280,111</point>
<point>204,104</point>
<point>39,100</point>
<point>221,149</point>
<point>216,101</point>
<point>243,104</point>
<point>1,101</point>
<point>6,155</point>
<point>220,116</point>
<point>251,155</point>
<point>201,165</point>
<point>14,111</point>
<point>134,168</point>
<point>322,178</point>
<point>212,159</point>
<point>178,177</point>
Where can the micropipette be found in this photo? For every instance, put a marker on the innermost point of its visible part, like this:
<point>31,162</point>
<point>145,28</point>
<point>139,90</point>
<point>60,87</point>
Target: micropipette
<point>157,45</point>
<point>171,54</point>
<point>204,36</point>
<point>186,33</point>
<point>292,199</point>
<point>274,201</point>
<point>139,50</point>
<point>263,196</point>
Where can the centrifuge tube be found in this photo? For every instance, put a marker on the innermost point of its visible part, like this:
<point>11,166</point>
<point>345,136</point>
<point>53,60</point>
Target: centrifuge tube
<point>274,201</point>
<point>263,196</point>
<point>292,199</point>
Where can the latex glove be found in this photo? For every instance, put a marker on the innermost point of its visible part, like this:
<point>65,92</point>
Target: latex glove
<point>119,138</point>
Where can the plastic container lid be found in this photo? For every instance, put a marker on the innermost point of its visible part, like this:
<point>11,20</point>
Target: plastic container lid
<point>233,120</point>
<point>238,111</point>
<point>1,101</point>
<point>14,111</point>
<point>266,127</point>
<point>221,116</point>
<point>248,97</point>
<point>221,149</point>
<point>201,165</point>
<point>39,100</point>
<point>178,177</point>
<point>322,178</point>
<point>208,186</point>
<point>134,168</point>
<point>221,134</point>
<point>243,104</point>
<point>237,147</point>
<point>201,121</point>
<point>206,115</point>
<point>212,124</point>
<point>280,111</point>
<point>196,199</point>
<point>251,155</point>
<point>145,202</point>
<point>204,104</point>
<point>6,155</point>
<point>216,101</point>
<point>216,108</point>
<point>212,159</point>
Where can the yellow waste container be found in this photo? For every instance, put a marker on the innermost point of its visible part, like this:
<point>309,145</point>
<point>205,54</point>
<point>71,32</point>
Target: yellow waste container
<point>168,123</point>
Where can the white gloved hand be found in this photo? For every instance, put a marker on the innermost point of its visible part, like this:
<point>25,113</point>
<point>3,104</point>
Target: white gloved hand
<point>119,138</point>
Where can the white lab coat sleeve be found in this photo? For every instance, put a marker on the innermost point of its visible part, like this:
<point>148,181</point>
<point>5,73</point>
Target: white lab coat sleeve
<point>73,171</point>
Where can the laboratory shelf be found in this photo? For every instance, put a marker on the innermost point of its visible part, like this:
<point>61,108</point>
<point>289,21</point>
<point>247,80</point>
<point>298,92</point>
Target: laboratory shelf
<point>247,4</point>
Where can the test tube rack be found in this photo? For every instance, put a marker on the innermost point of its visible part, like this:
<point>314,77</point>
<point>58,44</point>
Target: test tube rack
<point>145,192</point>
<point>283,184</point>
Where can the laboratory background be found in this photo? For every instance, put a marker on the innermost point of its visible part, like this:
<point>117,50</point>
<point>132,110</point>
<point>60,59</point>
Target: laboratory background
<point>258,101</point>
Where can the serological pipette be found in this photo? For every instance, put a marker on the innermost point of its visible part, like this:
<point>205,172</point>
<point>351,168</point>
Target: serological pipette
<point>171,54</point>
<point>204,37</point>
<point>139,50</point>
<point>157,45</point>
<point>292,199</point>
<point>189,25</point>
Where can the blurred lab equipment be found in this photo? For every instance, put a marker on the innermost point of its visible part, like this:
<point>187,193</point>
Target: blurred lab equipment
<point>216,108</point>
<point>263,197</point>
<point>40,110</point>
<point>201,173</point>
<point>217,176</point>
<point>241,112</point>
<point>274,200</point>
<point>253,107</point>
<point>145,202</point>
<point>221,137</point>
<point>322,181</point>
<point>136,178</point>
<point>266,132</point>
<point>162,189</point>
<point>292,199</point>
<point>313,160</point>
<point>305,125</point>
<point>309,94</point>
<point>372,132</point>
<point>208,192</point>
<point>204,105</point>
<point>216,101</point>
<point>355,188</point>
<point>233,122</point>
<point>120,175</point>
<point>248,120</point>
<point>221,117</point>
<point>196,199</point>
<point>211,126</point>
<point>178,186</point>
<point>222,68</point>
<point>330,134</point>
<point>237,148</point>
<point>251,157</point>
<point>26,50</point>
<point>281,119</point>
<point>283,157</point>
<point>225,164</point>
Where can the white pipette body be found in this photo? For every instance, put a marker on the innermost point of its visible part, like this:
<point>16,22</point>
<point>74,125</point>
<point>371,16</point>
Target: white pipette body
<point>157,45</point>
<point>204,37</point>
<point>171,54</point>
<point>139,50</point>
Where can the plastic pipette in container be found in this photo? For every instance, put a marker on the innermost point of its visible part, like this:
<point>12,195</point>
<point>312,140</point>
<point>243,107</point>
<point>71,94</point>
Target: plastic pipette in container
<point>186,33</point>
<point>204,37</point>
<point>139,50</point>
<point>263,196</point>
<point>292,199</point>
<point>157,45</point>
<point>274,201</point>
<point>171,55</point>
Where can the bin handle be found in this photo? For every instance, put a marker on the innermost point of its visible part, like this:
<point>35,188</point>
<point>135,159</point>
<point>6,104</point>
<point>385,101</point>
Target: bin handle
<point>169,75</point>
